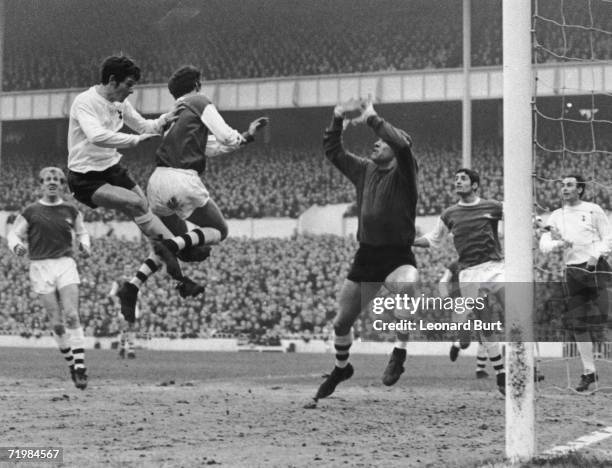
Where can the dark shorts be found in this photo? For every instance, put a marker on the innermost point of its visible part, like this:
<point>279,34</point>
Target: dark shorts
<point>373,264</point>
<point>587,297</point>
<point>84,185</point>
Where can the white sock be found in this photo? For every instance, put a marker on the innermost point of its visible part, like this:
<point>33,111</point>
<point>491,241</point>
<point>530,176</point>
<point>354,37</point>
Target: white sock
<point>585,348</point>
<point>63,341</point>
<point>493,349</point>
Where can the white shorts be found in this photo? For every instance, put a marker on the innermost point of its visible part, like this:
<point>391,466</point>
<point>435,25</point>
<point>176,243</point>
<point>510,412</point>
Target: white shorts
<point>176,191</point>
<point>481,279</point>
<point>50,275</point>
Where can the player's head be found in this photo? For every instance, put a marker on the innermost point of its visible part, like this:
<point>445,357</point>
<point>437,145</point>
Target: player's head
<point>572,187</point>
<point>467,181</point>
<point>119,73</point>
<point>185,80</point>
<point>52,180</point>
<point>382,153</point>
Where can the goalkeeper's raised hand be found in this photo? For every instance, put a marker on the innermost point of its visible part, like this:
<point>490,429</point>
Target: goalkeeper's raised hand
<point>352,105</point>
<point>367,108</point>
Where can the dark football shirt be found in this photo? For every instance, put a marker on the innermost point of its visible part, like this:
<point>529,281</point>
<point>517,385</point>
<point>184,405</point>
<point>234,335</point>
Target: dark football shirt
<point>184,144</point>
<point>50,229</point>
<point>474,230</point>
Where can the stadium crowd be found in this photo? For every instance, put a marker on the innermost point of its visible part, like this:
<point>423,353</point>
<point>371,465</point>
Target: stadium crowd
<point>272,38</point>
<point>270,181</point>
<point>263,289</point>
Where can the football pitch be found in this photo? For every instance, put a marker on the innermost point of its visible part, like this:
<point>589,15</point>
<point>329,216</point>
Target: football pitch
<point>192,409</point>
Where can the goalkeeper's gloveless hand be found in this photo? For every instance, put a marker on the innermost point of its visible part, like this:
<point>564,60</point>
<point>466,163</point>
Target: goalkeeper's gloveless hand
<point>367,108</point>
<point>351,105</point>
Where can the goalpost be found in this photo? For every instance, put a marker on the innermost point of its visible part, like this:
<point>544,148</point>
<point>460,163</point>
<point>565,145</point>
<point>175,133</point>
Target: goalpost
<point>518,233</point>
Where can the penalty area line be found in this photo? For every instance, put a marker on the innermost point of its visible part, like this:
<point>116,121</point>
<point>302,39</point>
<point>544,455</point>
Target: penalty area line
<point>581,442</point>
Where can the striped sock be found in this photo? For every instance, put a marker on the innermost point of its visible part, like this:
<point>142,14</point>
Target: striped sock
<point>150,266</point>
<point>494,352</point>
<point>193,237</point>
<point>64,347</point>
<point>78,346</point>
<point>343,344</point>
<point>68,356</point>
<point>122,340</point>
<point>130,341</point>
<point>481,358</point>
<point>481,363</point>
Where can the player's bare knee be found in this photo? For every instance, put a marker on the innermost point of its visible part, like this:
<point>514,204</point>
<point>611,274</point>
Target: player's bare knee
<point>402,287</point>
<point>72,319</point>
<point>59,329</point>
<point>137,207</point>
<point>403,280</point>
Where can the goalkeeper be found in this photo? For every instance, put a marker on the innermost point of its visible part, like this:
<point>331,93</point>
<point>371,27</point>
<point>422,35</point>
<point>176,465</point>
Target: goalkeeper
<point>386,184</point>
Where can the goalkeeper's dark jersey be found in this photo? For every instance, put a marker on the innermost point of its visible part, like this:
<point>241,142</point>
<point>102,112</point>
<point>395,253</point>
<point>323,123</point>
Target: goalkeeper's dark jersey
<point>386,198</point>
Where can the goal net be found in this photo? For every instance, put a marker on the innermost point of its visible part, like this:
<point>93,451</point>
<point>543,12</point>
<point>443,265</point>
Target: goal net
<point>572,128</point>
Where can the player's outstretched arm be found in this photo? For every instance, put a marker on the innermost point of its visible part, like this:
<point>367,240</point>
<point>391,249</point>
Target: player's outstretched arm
<point>138,123</point>
<point>215,148</point>
<point>97,134</point>
<point>349,164</point>
<point>397,139</point>
<point>16,235</point>
<point>254,127</point>
<point>224,134</point>
<point>434,237</point>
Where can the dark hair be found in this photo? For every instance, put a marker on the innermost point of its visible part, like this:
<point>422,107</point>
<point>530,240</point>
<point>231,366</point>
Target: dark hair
<point>184,80</point>
<point>119,67</point>
<point>472,175</point>
<point>580,183</point>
